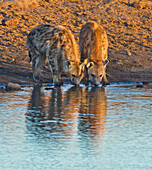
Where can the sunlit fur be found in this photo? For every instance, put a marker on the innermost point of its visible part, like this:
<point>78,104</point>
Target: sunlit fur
<point>93,43</point>
<point>58,45</point>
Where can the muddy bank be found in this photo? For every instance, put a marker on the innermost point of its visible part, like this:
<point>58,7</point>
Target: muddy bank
<point>128,27</point>
<point>22,74</point>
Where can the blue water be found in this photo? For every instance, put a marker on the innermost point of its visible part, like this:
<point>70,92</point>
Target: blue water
<point>77,128</point>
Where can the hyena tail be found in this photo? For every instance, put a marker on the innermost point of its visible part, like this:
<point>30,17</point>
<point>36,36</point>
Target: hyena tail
<point>28,43</point>
<point>30,57</point>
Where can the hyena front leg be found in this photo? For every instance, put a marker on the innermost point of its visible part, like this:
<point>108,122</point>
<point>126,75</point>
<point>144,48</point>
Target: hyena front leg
<point>37,62</point>
<point>86,77</point>
<point>54,59</point>
<point>104,79</point>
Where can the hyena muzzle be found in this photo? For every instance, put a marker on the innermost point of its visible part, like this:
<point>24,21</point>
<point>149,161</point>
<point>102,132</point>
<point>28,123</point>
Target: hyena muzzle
<point>56,44</point>
<point>93,43</point>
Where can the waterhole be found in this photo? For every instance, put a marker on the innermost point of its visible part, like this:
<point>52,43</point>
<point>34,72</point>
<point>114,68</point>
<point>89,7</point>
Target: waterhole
<point>72,128</point>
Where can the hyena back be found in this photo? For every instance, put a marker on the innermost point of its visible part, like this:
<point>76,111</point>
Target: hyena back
<point>93,43</point>
<point>56,44</point>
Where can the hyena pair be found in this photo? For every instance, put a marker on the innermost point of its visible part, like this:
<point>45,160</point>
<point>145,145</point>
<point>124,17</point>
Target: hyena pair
<point>57,44</point>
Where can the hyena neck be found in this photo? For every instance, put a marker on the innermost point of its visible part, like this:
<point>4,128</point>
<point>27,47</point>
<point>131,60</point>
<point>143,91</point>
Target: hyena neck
<point>71,48</point>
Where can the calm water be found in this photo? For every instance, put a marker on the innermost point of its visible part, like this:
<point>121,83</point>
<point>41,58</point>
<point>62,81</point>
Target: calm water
<point>71,128</point>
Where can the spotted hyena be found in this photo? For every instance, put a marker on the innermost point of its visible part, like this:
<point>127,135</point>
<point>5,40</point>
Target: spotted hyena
<point>56,44</point>
<point>93,43</point>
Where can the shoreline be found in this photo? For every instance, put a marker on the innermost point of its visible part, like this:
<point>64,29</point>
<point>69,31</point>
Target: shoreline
<point>22,74</point>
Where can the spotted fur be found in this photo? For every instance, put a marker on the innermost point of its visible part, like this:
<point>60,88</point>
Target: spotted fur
<point>93,43</point>
<point>58,45</point>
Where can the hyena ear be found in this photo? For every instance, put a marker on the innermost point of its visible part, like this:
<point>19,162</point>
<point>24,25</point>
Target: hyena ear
<point>90,64</point>
<point>82,66</point>
<point>85,61</point>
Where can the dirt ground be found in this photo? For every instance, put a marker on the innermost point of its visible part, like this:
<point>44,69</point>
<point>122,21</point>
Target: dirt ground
<point>128,26</point>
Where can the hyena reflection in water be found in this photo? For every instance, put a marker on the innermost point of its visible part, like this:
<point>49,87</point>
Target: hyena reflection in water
<point>36,110</point>
<point>93,111</point>
<point>58,45</point>
<point>57,112</point>
<point>69,112</point>
<point>64,107</point>
<point>93,43</point>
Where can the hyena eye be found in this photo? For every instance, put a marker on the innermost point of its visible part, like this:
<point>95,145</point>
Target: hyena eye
<point>100,75</point>
<point>92,75</point>
<point>73,75</point>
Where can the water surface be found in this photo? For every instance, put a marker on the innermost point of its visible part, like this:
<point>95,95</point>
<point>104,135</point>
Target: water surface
<point>77,128</point>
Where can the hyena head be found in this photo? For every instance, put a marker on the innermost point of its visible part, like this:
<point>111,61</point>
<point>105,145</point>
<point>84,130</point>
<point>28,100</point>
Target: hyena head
<point>74,70</point>
<point>96,72</point>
